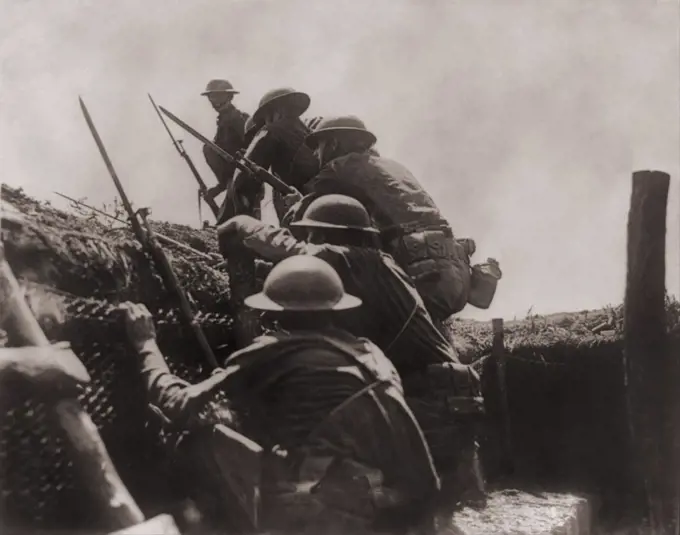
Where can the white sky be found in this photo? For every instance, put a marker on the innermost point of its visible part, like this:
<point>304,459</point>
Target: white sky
<point>523,119</point>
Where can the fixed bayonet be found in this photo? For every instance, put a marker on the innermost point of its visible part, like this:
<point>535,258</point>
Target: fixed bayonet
<point>251,168</point>
<point>202,188</point>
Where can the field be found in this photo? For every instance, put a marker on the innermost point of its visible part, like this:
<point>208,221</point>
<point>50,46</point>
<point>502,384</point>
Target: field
<point>564,372</point>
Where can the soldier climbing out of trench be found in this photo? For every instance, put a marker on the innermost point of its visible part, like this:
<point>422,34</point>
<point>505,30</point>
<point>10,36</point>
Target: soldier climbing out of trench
<point>412,228</point>
<point>229,135</point>
<point>393,315</point>
<point>315,394</point>
<point>278,145</point>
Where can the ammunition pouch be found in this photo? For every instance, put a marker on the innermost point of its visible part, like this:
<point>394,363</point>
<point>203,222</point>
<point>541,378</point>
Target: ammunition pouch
<point>421,253</point>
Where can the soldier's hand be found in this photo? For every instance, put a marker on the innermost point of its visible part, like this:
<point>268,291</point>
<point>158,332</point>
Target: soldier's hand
<point>291,199</point>
<point>314,122</point>
<point>138,324</point>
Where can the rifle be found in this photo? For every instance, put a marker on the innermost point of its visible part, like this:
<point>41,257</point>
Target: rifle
<point>147,238</point>
<point>202,188</point>
<point>241,162</point>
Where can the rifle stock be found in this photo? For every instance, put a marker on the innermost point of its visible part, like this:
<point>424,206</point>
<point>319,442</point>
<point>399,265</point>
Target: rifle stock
<point>183,153</point>
<point>146,237</point>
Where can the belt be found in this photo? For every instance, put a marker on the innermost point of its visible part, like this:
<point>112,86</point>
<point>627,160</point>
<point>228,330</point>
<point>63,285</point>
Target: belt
<point>399,231</point>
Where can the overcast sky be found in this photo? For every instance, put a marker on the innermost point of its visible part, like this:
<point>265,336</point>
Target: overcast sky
<point>523,119</point>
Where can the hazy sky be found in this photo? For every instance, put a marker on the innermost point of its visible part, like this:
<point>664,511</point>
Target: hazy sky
<point>523,119</point>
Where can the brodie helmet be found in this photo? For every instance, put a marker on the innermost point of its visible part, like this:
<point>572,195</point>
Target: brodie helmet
<point>296,101</point>
<point>219,86</point>
<point>338,212</point>
<point>302,283</point>
<point>334,125</point>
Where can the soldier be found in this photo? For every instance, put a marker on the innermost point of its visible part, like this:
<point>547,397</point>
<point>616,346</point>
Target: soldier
<point>393,315</point>
<point>278,146</point>
<point>412,228</point>
<point>310,389</point>
<point>230,132</point>
<point>339,231</point>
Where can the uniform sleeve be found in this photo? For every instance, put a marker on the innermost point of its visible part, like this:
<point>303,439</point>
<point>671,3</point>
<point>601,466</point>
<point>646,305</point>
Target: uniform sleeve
<point>267,241</point>
<point>230,131</point>
<point>177,399</point>
<point>298,209</point>
<point>260,151</point>
<point>333,179</point>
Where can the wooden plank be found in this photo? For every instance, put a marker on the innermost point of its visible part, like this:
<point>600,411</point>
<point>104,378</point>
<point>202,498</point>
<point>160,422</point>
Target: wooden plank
<point>649,370</point>
<point>499,356</point>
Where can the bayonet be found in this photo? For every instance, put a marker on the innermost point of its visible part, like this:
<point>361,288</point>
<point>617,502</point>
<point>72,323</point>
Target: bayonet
<point>145,235</point>
<point>202,188</point>
<point>248,167</point>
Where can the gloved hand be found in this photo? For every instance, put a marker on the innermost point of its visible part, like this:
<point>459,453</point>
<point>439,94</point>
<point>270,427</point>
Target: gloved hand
<point>138,324</point>
<point>291,199</point>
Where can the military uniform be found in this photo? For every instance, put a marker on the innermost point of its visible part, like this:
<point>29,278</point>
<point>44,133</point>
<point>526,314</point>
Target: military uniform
<point>277,146</point>
<point>444,394</point>
<point>412,227</point>
<point>393,314</point>
<point>311,394</point>
<point>229,136</point>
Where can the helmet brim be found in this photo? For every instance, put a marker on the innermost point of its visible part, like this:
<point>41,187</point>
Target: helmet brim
<point>310,223</point>
<point>312,140</point>
<point>260,301</point>
<point>298,102</point>
<point>228,91</point>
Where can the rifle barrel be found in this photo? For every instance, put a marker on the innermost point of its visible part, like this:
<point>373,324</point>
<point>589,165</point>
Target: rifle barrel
<point>177,145</point>
<point>272,180</point>
<point>136,227</point>
<point>183,153</point>
<point>146,238</point>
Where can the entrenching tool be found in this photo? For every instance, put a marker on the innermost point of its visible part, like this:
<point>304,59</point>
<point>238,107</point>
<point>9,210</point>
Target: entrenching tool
<point>239,459</point>
<point>202,188</point>
<point>87,450</point>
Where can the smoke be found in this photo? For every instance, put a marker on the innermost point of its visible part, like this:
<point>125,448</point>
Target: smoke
<point>524,119</point>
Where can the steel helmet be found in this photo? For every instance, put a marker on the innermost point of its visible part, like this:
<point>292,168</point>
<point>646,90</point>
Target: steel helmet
<point>343,123</point>
<point>336,211</point>
<point>219,86</point>
<point>284,96</point>
<point>302,283</point>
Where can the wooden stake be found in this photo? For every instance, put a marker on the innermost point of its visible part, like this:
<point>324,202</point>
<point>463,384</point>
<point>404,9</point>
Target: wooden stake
<point>498,354</point>
<point>649,369</point>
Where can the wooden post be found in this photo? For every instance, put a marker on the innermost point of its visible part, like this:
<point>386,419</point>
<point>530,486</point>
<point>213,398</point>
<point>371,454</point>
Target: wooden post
<point>649,376</point>
<point>498,354</point>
